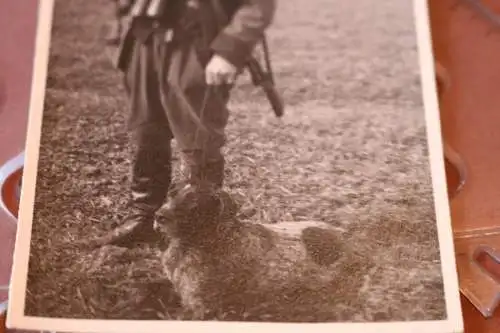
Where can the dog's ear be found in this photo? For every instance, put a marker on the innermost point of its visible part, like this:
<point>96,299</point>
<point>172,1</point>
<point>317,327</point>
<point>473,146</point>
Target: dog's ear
<point>323,246</point>
<point>163,211</point>
<point>196,208</point>
<point>163,219</point>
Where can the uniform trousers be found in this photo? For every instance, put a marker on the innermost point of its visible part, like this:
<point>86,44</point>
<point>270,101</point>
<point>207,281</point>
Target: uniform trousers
<point>170,100</point>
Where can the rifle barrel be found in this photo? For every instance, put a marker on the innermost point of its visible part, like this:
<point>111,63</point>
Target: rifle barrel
<point>262,79</point>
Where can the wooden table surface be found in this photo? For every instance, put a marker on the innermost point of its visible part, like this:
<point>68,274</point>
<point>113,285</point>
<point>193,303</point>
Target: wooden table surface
<point>475,323</point>
<point>17,32</point>
<point>470,118</point>
<point>17,25</point>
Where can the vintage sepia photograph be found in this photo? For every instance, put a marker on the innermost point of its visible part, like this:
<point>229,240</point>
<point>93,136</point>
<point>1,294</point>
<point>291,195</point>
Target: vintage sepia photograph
<point>223,164</point>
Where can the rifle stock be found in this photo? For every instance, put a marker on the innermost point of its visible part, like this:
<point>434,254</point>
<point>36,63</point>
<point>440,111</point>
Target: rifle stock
<point>266,82</point>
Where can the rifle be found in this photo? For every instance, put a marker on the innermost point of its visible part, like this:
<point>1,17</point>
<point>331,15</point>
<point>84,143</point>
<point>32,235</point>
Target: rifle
<point>265,80</point>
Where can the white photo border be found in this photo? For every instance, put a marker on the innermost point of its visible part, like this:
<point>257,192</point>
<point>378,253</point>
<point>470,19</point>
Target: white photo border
<point>16,318</point>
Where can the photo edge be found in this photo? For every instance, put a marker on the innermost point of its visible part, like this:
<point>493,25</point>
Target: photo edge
<point>21,253</point>
<point>436,164</point>
<point>62,325</point>
<point>16,318</point>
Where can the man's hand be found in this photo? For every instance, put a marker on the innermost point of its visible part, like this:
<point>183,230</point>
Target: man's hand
<point>219,71</point>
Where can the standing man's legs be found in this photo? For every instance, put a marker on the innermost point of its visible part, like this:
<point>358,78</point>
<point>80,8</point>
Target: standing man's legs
<point>151,169</point>
<point>198,116</point>
<point>189,111</point>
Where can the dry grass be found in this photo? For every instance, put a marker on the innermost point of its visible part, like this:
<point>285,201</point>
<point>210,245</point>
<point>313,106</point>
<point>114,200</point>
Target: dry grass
<point>351,152</point>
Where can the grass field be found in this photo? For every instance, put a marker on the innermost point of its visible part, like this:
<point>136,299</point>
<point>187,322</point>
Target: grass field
<point>351,151</point>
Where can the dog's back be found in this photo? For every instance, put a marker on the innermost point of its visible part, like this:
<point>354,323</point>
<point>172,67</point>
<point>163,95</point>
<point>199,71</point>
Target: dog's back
<point>244,271</point>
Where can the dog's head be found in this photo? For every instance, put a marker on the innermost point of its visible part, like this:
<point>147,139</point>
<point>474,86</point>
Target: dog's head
<point>195,212</point>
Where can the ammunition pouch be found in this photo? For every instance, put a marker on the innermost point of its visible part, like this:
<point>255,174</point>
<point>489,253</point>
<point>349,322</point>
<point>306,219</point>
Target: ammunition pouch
<point>142,28</point>
<point>182,20</point>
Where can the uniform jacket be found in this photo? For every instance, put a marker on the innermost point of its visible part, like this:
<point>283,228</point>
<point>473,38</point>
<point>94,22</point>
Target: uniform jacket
<point>236,26</point>
<point>244,29</point>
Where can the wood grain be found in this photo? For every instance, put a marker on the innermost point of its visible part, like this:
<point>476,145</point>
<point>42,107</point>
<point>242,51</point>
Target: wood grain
<point>469,113</point>
<point>17,34</point>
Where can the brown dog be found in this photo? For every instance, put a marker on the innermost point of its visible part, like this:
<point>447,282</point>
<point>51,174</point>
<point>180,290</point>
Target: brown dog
<point>227,269</point>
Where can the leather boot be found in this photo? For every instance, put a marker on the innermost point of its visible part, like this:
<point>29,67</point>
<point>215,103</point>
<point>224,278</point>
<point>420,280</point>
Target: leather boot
<point>151,178</point>
<point>205,178</point>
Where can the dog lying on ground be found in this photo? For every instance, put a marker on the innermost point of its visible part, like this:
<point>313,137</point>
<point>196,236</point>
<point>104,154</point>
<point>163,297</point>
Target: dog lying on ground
<point>223,268</point>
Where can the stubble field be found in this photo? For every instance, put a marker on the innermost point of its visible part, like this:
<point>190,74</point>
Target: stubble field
<point>351,151</point>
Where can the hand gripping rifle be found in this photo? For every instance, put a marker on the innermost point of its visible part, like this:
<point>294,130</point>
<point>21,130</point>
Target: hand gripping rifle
<point>259,76</point>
